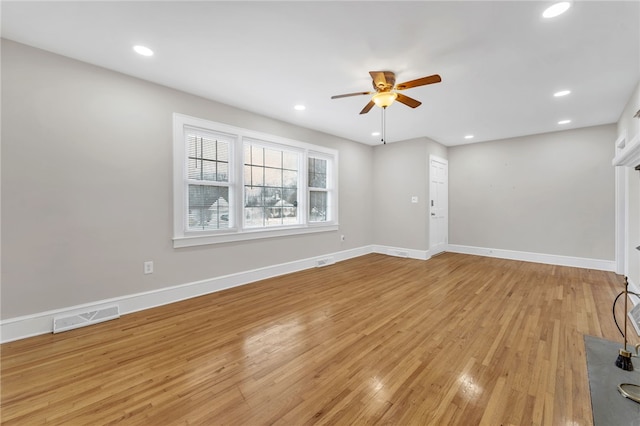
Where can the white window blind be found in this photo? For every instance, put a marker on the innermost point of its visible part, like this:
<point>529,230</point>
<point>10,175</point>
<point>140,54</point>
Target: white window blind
<point>208,180</point>
<point>319,189</point>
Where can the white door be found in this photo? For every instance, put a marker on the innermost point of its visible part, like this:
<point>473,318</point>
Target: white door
<point>438,205</point>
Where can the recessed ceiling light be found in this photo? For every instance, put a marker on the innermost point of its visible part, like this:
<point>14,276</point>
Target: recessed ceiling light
<point>375,134</point>
<point>143,50</point>
<point>299,107</point>
<point>564,121</point>
<point>469,137</point>
<point>562,93</point>
<point>556,9</point>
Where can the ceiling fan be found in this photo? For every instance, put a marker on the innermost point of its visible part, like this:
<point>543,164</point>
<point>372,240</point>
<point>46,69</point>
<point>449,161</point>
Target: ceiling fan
<point>386,90</point>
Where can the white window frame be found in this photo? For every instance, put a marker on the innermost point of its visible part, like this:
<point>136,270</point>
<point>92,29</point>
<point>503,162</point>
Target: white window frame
<point>182,237</point>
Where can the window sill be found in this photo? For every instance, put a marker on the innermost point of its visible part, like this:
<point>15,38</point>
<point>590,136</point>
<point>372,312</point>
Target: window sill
<point>201,240</point>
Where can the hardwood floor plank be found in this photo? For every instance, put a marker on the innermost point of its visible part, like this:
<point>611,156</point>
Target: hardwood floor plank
<point>456,339</point>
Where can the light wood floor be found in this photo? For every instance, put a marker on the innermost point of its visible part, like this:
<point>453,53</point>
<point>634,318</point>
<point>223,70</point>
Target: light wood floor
<point>457,339</point>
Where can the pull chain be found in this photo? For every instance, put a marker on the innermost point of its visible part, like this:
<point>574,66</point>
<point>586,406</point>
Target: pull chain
<point>384,125</point>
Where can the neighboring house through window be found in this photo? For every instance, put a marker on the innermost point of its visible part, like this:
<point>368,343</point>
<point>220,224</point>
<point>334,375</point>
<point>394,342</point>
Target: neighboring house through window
<point>235,184</point>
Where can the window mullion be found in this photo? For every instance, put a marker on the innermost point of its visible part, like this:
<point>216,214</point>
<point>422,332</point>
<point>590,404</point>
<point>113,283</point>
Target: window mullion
<point>238,190</point>
<point>201,157</point>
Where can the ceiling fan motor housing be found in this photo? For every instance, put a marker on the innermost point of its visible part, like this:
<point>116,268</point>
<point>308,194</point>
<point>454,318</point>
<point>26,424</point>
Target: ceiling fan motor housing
<point>385,86</point>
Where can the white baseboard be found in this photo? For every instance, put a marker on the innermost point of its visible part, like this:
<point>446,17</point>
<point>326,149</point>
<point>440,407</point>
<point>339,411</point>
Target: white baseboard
<point>402,252</point>
<point>549,259</point>
<point>42,322</point>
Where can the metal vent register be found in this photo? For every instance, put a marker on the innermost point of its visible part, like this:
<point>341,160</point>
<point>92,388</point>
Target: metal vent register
<point>82,319</point>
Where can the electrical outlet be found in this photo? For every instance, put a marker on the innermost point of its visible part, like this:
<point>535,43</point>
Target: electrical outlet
<point>148,267</point>
<point>414,199</point>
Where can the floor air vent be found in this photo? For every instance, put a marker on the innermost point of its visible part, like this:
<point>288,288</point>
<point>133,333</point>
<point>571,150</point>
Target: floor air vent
<point>325,261</point>
<point>83,319</point>
<point>398,253</point>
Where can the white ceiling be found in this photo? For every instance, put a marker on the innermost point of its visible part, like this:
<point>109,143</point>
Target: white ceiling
<point>500,61</point>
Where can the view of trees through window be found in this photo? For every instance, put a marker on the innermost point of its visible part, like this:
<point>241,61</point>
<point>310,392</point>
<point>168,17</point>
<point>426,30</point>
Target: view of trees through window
<point>270,186</point>
<point>234,184</point>
<point>317,189</point>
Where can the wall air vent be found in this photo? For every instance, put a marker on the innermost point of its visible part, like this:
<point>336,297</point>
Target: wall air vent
<point>82,319</point>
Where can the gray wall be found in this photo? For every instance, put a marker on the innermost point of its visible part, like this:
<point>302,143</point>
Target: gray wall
<point>87,187</point>
<point>400,171</point>
<point>550,193</point>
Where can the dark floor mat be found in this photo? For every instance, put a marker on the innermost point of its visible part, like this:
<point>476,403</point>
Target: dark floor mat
<point>610,408</point>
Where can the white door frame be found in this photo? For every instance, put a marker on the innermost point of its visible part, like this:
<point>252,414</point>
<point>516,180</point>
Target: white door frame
<point>622,220</point>
<point>443,246</point>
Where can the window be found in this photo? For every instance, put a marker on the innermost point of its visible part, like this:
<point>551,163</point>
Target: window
<point>235,184</point>
<point>270,186</point>
<point>319,189</point>
<point>207,180</point>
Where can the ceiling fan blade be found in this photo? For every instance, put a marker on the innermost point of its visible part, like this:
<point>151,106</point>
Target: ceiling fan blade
<point>383,79</point>
<point>367,107</point>
<point>408,101</point>
<point>350,94</point>
<point>419,82</point>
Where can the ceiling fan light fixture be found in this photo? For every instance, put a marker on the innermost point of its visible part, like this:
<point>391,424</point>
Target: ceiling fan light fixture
<point>384,99</point>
